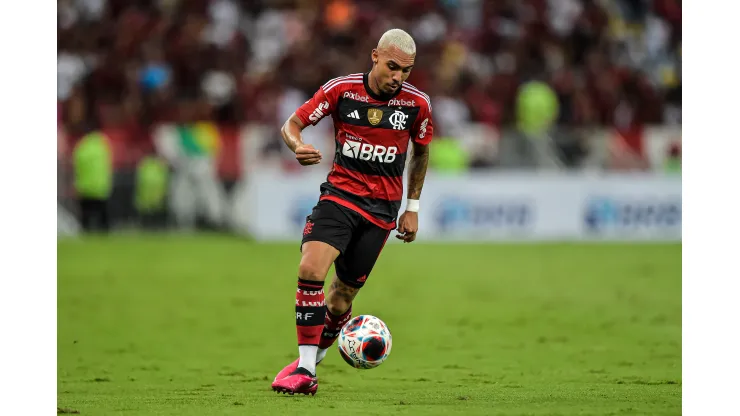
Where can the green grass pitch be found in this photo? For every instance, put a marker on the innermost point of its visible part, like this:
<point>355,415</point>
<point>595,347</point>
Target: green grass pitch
<point>177,325</point>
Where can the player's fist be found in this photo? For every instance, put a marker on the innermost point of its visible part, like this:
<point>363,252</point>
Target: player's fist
<point>408,225</point>
<point>307,155</point>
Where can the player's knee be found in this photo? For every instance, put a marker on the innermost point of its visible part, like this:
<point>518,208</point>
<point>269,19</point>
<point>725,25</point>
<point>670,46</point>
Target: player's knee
<point>316,260</point>
<point>311,270</point>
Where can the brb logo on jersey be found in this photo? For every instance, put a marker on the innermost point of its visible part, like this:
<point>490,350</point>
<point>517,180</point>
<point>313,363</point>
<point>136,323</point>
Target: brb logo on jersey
<point>369,152</point>
<point>398,120</point>
<point>319,112</point>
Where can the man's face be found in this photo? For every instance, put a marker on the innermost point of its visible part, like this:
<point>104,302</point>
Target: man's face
<point>392,68</point>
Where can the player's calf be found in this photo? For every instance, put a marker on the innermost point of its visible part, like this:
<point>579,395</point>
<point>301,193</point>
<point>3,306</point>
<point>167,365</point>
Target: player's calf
<point>332,326</point>
<point>338,313</point>
<point>340,297</point>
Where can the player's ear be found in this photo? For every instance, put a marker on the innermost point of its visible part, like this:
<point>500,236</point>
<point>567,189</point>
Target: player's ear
<point>374,56</point>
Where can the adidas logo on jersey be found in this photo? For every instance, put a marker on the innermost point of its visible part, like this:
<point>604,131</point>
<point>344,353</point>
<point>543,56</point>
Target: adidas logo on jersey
<point>355,114</point>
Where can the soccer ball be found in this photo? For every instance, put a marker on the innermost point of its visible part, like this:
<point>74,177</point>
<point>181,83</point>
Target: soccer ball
<point>365,342</point>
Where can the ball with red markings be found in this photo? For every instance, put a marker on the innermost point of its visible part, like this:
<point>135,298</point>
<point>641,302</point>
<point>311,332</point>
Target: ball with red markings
<point>365,342</point>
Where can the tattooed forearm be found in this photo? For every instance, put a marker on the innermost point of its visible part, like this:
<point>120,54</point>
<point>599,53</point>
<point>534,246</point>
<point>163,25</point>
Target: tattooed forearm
<point>418,170</point>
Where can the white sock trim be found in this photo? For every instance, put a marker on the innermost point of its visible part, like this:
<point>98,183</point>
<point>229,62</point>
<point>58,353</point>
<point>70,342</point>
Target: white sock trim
<point>321,354</point>
<point>307,359</point>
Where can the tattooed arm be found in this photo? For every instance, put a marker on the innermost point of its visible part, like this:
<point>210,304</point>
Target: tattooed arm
<point>417,170</point>
<point>408,224</point>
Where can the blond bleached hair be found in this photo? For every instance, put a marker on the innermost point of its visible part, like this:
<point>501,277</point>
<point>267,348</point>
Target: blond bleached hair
<point>398,38</point>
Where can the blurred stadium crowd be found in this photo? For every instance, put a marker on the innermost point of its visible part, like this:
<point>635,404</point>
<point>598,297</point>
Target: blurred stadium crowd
<point>521,84</point>
<point>134,64</point>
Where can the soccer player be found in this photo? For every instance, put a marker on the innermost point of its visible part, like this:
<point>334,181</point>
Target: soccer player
<point>376,116</point>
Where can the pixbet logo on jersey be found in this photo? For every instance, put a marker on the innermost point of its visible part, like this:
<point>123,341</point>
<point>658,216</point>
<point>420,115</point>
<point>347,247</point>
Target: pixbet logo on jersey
<point>369,152</point>
<point>354,96</point>
<point>396,102</point>
<point>319,112</point>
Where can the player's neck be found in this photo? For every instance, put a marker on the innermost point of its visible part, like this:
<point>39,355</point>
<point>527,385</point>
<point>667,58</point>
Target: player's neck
<point>373,84</point>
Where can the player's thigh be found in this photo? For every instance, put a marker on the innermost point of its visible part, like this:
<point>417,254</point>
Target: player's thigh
<point>355,264</point>
<point>326,235</point>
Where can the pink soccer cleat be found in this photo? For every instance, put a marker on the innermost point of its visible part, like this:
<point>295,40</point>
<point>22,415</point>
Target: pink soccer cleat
<point>285,372</point>
<point>300,381</point>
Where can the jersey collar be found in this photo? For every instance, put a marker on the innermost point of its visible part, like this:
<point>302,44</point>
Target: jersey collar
<point>383,97</point>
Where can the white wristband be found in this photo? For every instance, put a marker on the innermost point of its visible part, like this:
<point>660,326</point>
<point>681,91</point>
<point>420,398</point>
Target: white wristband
<point>412,205</point>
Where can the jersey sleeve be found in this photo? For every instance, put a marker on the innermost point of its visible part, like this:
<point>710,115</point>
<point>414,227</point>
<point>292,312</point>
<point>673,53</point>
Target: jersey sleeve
<point>317,107</point>
<point>423,129</point>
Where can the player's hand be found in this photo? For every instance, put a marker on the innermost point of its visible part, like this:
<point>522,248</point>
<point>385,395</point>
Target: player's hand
<point>307,155</point>
<point>408,225</point>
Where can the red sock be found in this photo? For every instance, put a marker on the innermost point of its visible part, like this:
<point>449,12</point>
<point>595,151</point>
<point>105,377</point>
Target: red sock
<point>309,311</point>
<point>332,325</point>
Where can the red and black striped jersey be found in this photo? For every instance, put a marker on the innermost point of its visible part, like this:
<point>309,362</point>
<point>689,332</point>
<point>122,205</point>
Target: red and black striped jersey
<point>372,135</point>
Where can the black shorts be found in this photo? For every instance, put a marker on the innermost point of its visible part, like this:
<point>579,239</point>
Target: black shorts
<point>358,240</point>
